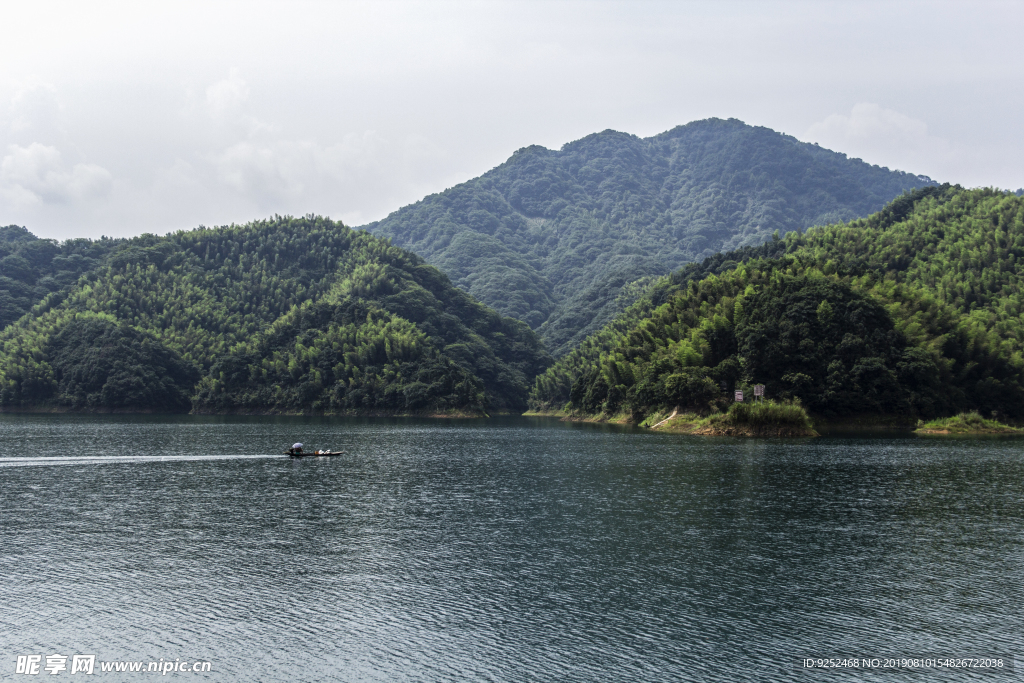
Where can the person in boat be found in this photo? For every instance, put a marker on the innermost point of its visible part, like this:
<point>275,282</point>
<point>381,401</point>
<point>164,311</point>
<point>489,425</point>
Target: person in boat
<point>296,449</point>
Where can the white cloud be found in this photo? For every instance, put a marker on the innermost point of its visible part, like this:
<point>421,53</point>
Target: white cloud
<point>259,165</point>
<point>35,110</point>
<point>261,170</point>
<point>882,136</point>
<point>219,112</point>
<point>36,174</point>
<point>266,166</point>
<point>227,96</point>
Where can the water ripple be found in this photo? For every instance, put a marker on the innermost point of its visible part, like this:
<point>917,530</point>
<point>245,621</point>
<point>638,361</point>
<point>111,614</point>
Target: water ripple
<point>502,550</point>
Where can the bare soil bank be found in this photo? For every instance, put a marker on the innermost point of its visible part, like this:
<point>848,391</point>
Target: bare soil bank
<point>688,423</point>
<point>761,431</point>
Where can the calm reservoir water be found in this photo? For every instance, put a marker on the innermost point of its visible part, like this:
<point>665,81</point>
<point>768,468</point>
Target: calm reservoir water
<point>501,550</point>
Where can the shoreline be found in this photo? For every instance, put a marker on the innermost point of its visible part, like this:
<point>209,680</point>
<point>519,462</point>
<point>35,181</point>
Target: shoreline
<point>686,423</point>
<point>64,410</point>
<point>976,432</point>
<point>694,425</point>
<point>621,418</point>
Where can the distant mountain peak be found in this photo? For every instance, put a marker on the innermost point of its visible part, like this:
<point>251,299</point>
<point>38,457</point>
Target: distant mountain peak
<point>553,236</point>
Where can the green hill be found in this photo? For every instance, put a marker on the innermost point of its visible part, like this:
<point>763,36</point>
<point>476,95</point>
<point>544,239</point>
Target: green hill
<point>552,237</point>
<point>285,315</point>
<point>914,311</point>
<point>31,268</point>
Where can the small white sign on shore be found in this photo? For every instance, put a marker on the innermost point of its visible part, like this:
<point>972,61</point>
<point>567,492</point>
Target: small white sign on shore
<point>739,396</point>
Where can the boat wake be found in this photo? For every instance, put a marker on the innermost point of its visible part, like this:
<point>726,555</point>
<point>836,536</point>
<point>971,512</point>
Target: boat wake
<point>35,461</point>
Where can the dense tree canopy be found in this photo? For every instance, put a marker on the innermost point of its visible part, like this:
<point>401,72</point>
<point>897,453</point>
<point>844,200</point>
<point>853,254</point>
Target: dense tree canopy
<point>98,363</point>
<point>553,237</point>
<point>286,315</point>
<point>915,310</point>
<point>31,268</point>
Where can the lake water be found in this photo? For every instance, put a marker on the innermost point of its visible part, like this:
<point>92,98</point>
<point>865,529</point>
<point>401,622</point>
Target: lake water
<point>502,550</point>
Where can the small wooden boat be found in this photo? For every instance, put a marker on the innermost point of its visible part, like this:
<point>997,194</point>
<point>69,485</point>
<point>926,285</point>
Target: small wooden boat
<point>313,454</point>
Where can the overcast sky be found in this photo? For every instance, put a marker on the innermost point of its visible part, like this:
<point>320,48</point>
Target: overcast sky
<point>123,118</point>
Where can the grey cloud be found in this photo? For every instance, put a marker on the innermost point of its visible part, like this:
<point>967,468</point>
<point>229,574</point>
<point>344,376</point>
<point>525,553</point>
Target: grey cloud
<point>886,137</point>
<point>162,118</point>
<point>37,174</point>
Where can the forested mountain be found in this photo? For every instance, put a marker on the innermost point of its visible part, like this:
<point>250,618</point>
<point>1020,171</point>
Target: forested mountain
<point>914,311</point>
<point>282,315</point>
<point>31,268</point>
<point>552,237</point>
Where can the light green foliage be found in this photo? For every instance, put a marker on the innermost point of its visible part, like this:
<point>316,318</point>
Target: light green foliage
<point>915,310</point>
<point>966,423</point>
<point>288,315</point>
<point>553,237</point>
<point>763,414</point>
